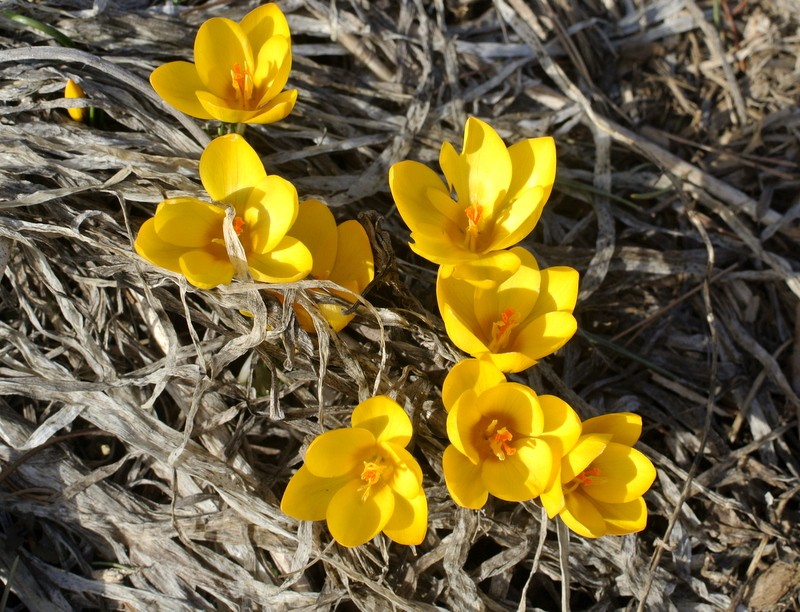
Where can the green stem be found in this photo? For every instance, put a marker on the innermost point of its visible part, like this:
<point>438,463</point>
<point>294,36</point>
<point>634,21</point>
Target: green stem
<point>57,35</point>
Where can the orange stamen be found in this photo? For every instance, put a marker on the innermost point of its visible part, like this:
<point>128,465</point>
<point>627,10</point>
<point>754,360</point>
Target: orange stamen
<point>242,82</point>
<point>586,476</point>
<point>238,225</point>
<point>371,474</point>
<point>474,214</point>
<point>508,321</point>
<point>498,441</point>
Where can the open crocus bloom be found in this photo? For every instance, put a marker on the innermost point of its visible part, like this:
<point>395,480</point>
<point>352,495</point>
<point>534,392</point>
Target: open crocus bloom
<point>495,430</point>
<point>186,235</point>
<point>239,70</point>
<point>602,479</point>
<point>523,316</point>
<point>362,480</point>
<point>499,195</point>
<point>341,254</point>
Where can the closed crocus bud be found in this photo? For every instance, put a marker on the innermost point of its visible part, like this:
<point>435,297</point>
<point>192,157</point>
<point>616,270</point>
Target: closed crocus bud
<point>71,92</point>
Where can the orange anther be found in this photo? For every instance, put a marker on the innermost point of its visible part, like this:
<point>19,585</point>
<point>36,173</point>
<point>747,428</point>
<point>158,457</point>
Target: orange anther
<point>238,225</point>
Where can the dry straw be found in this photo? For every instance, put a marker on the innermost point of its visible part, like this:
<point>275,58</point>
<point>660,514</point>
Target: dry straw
<point>147,429</point>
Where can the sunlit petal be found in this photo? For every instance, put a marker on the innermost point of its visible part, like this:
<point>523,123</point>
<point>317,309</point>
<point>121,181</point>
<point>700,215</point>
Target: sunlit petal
<point>273,64</point>
<point>463,479</point>
<point>274,110</point>
<point>220,44</point>
<point>487,271</point>
<point>469,374</point>
<point>354,265</point>
<point>544,335</point>
<point>229,168</point>
<point>534,165</point>
<point>385,419</point>
<point>409,522</point>
<point>629,517</point>
<point>155,250</point>
<point>552,497</point>
<point>307,496</point>
<point>518,218</point>
<point>206,268</point>
<point>562,425</point>
<point>520,476</point>
<point>177,83</point>
<point>510,362</point>
<point>582,517</point>
<point>354,518</point>
<point>269,212</point>
<point>339,452</point>
<point>624,427</point>
<point>315,227</point>
<point>289,261</point>
<point>406,477</point>
<point>558,291</point>
<point>462,425</point>
<point>187,222</point>
<point>515,406</point>
<point>586,450</point>
<point>624,475</point>
<point>262,23</point>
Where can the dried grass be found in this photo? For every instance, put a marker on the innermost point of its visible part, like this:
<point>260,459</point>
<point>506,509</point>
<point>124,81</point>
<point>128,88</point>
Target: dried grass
<point>147,429</point>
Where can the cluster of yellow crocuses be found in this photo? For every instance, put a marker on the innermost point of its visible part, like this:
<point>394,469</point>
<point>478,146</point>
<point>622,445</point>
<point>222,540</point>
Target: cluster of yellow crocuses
<point>496,304</point>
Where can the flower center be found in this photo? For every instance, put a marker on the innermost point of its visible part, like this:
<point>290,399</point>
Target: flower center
<point>498,439</point>
<point>242,82</point>
<point>238,225</point>
<point>371,474</point>
<point>474,214</point>
<point>501,330</point>
<point>587,477</point>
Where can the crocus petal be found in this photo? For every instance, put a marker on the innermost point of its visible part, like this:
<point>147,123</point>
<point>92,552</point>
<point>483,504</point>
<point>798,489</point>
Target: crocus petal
<point>177,83</point>
<point>484,162</point>
<point>269,212</point>
<point>520,476</point>
<point>289,261</point>
<point>315,227</point>
<point>487,271</point>
<point>424,203</point>
<point>517,294</point>
<point>518,218</point>
<point>624,427</point>
<point>624,475</point>
<point>207,268</point>
<point>274,110</point>
<point>552,497</point>
<point>229,168</point>
<point>562,425</point>
<point>462,425</point>
<point>307,496</point>
<point>339,452</point>
<point>469,374</point>
<point>333,315</point>
<point>155,250</point>
<point>630,517</point>
<point>354,262</point>
<point>544,335</point>
<point>409,522</point>
<point>262,23</point>
<point>73,91</point>
<point>354,519</point>
<point>515,406</point>
<point>220,44</point>
<point>463,479</point>
<point>385,419</point>
<point>406,478</point>
<point>187,222</point>
<point>510,362</point>
<point>221,108</point>
<point>581,515</point>
<point>273,64</point>
<point>558,291</point>
<point>534,165</point>
<point>586,450</point>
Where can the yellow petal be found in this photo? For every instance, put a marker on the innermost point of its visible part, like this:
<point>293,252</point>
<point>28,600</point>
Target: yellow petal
<point>469,374</point>
<point>339,452</point>
<point>222,109</point>
<point>510,362</point>
<point>586,450</point>
<point>552,497</point>
<point>487,271</point>
<point>562,425</point>
<point>558,291</point>
<point>262,23</point>
<point>456,299</point>
<point>518,218</point>
<point>288,262</point>
<point>315,227</point>
<point>515,406</point>
<point>517,294</point>
<point>581,515</point>
<point>333,315</point>
<point>462,426</point>
<point>177,83</point>
<point>630,517</point>
<point>307,496</point>
<point>269,212</point>
<point>544,335</point>
<point>155,250</point>
<point>534,165</point>
<point>207,268</point>
<point>625,474</point>
<point>74,91</point>
<point>409,522</point>
<point>485,163</point>
<point>187,222</point>
<point>463,479</point>
<point>354,263</point>
<point>220,45</point>
<point>520,476</point>
<point>406,477</point>
<point>624,427</point>
<point>354,520</point>
<point>385,419</point>
<point>269,112</point>
<point>229,168</point>
<point>273,64</point>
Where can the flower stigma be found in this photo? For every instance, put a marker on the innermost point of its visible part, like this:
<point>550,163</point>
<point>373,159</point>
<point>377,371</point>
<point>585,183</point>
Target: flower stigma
<point>238,225</point>
<point>498,440</point>
<point>474,214</point>
<point>371,474</point>
<point>501,328</point>
<point>242,82</point>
